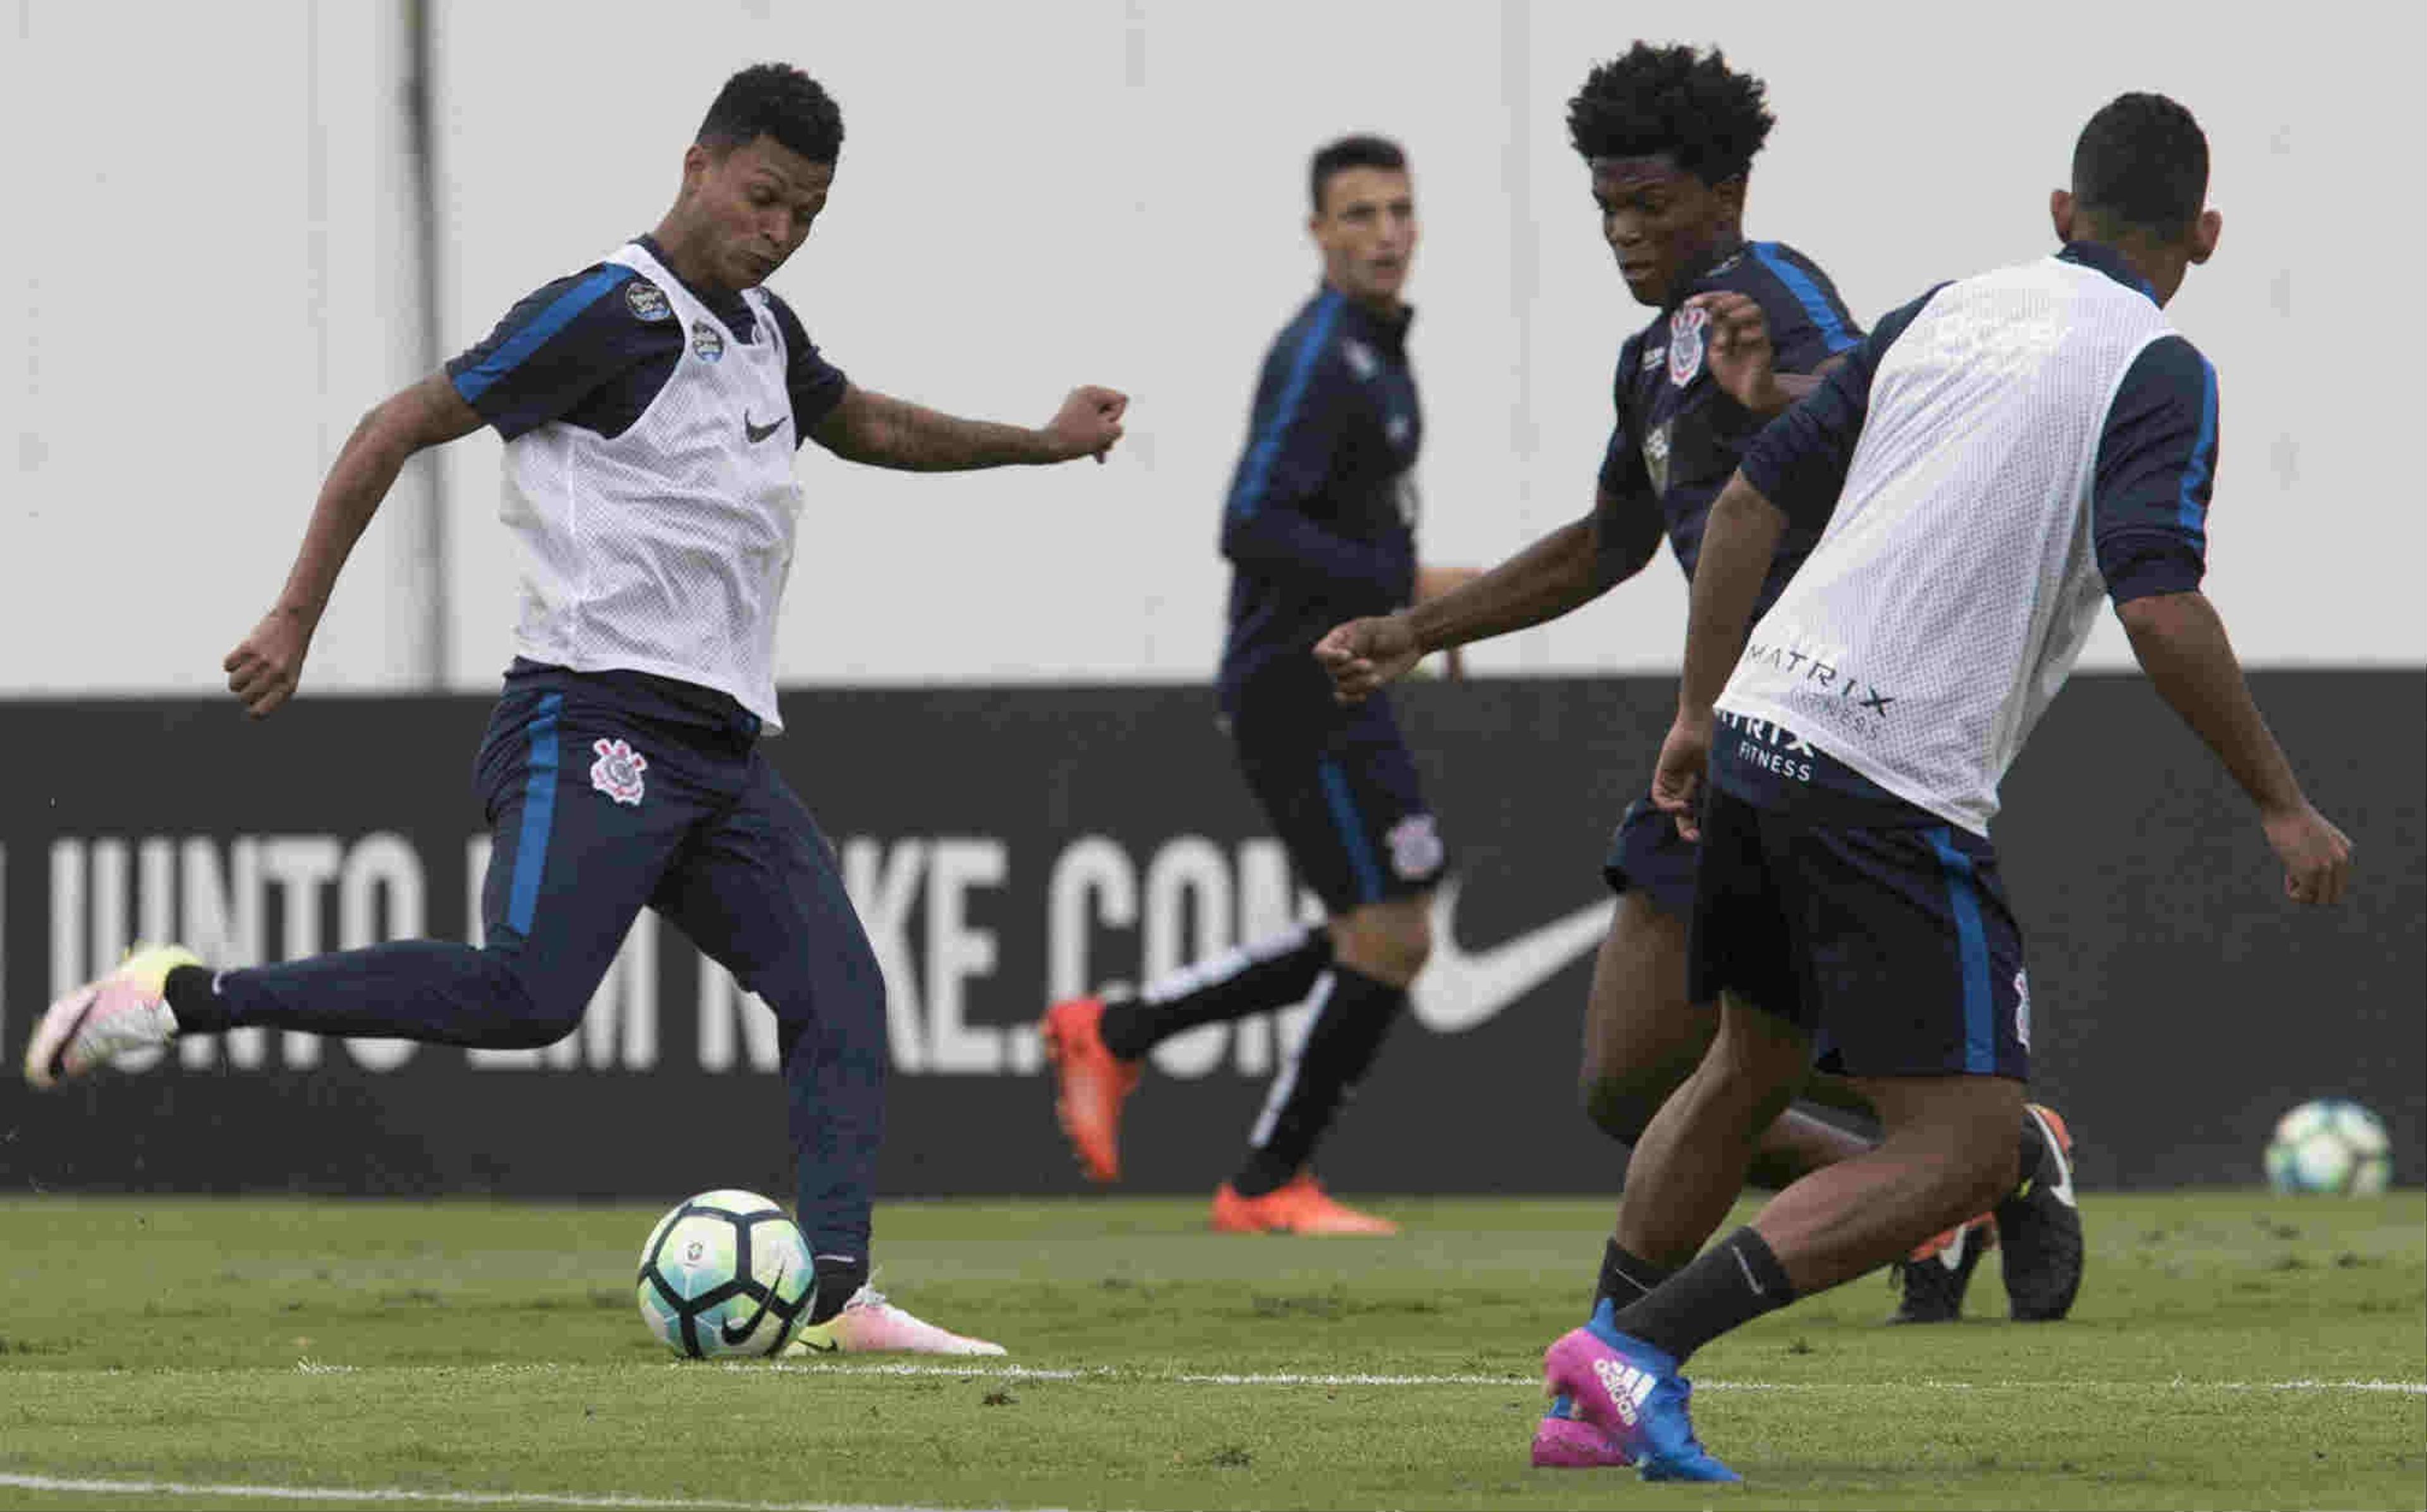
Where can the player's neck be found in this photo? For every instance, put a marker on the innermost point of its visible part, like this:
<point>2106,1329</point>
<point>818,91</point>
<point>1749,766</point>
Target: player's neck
<point>1386,308</point>
<point>2158,268</point>
<point>685,256</point>
<point>1726,245</point>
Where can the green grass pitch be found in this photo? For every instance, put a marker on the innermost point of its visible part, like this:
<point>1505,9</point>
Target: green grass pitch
<point>2230,1349</point>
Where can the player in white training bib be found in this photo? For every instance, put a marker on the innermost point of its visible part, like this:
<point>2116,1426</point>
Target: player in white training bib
<point>1994,457</point>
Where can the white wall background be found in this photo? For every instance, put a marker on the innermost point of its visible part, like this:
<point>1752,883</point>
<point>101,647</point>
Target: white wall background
<point>206,282</point>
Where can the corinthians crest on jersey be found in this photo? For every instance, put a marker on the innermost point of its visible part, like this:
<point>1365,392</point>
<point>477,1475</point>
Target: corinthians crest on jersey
<point>1685,344</point>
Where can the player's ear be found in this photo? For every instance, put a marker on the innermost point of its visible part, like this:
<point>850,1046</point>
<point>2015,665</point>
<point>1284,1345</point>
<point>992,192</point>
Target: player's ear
<point>2061,213</point>
<point>2204,231</point>
<point>1732,195</point>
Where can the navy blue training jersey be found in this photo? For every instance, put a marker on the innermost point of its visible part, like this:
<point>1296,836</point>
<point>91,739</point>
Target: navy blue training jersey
<point>594,349</point>
<point>1320,526</point>
<point>1678,434</point>
<point>2155,472</point>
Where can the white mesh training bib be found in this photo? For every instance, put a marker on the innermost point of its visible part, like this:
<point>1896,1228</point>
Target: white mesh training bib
<point>1951,593</point>
<point>665,550</point>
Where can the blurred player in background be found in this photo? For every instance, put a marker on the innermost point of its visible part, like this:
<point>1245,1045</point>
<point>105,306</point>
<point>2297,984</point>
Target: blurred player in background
<point>1670,135</point>
<point>650,405</point>
<point>1995,458</point>
<point>1320,523</point>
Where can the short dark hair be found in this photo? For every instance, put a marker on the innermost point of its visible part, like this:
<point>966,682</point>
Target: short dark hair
<point>2142,162</point>
<point>775,100</point>
<point>1348,152</point>
<point>1673,101</point>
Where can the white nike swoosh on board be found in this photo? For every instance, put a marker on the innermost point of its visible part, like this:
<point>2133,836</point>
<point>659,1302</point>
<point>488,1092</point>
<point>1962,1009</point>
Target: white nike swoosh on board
<point>1460,991</point>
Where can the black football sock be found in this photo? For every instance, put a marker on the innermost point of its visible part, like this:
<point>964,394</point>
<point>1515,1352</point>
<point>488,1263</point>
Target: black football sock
<point>839,1278</point>
<point>1353,1013</point>
<point>1625,1279</point>
<point>1255,978</point>
<point>194,1000</point>
<point>1726,1286</point>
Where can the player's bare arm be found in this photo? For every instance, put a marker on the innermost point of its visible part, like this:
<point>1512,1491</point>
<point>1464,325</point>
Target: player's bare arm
<point>1742,361</point>
<point>1561,572</point>
<point>1431,583</point>
<point>1737,545</point>
<point>267,664</point>
<point>2182,645</point>
<point>885,432</point>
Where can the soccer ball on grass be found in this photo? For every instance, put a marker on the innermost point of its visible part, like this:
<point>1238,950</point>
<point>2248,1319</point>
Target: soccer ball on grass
<point>726,1272</point>
<point>2330,1144</point>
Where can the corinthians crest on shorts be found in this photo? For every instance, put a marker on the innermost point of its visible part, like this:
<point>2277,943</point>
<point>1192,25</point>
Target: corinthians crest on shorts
<point>617,770</point>
<point>1416,848</point>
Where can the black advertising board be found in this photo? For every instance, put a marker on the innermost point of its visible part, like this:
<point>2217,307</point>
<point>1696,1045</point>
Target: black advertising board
<point>1008,844</point>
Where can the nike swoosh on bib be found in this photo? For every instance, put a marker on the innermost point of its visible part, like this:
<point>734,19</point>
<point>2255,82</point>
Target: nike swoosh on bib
<point>759,432</point>
<point>1459,990</point>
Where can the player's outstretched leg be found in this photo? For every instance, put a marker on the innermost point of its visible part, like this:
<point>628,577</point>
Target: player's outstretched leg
<point>1098,1045</point>
<point>572,866</point>
<point>124,1012</point>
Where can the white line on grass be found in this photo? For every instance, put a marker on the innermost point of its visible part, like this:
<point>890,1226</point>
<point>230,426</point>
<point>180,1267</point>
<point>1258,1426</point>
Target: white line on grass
<point>389,1495</point>
<point>972,1370</point>
<point>1023,1373</point>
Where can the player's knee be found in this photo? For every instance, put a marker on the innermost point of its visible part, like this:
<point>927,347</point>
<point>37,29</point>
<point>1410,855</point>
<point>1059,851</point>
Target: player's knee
<point>1616,1104</point>
<point>1976,1168</point>
<point>530,1009</point>
<point>1408,941</point>
<point>1990,1168</point>
<point>1404,935</point>
<point>1389,941</point>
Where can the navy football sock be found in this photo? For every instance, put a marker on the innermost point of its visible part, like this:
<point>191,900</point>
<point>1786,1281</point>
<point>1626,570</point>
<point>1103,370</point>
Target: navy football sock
<point>839,1278</point>
<point>194,1000</point>
<point>1253,979</point>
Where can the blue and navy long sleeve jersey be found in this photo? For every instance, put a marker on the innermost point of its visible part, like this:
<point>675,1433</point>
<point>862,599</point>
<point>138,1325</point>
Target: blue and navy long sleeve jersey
<point>594,349</point>
<point>1679,435</point>
<point>2150,486</point>
<point>1320,523</point>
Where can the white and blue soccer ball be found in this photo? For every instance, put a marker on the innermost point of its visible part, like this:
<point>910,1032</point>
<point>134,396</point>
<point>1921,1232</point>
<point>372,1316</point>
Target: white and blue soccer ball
<point>726,1272</point>
<point>2330,1144</point>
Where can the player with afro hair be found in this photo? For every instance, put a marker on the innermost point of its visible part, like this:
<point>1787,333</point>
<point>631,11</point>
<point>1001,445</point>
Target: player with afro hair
<point>1669,134</point>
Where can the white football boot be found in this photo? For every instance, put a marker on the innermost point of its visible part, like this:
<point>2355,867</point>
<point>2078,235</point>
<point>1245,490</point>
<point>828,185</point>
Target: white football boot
<point>123,1012</point>
<point>869,1325</point>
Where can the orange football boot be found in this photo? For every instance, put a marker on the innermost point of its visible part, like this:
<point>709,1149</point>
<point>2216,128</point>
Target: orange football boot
<point>1302,1207</point>
<point>1090,1084</point>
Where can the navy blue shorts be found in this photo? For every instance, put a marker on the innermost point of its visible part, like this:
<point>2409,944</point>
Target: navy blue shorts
<point>1341,790</point>
<point>1646,854</point>
<point>1893,946</point>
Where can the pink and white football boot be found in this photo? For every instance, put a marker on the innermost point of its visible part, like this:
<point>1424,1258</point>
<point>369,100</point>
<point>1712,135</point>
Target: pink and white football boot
<point>869,1325</point>
<point>124,1011</point>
